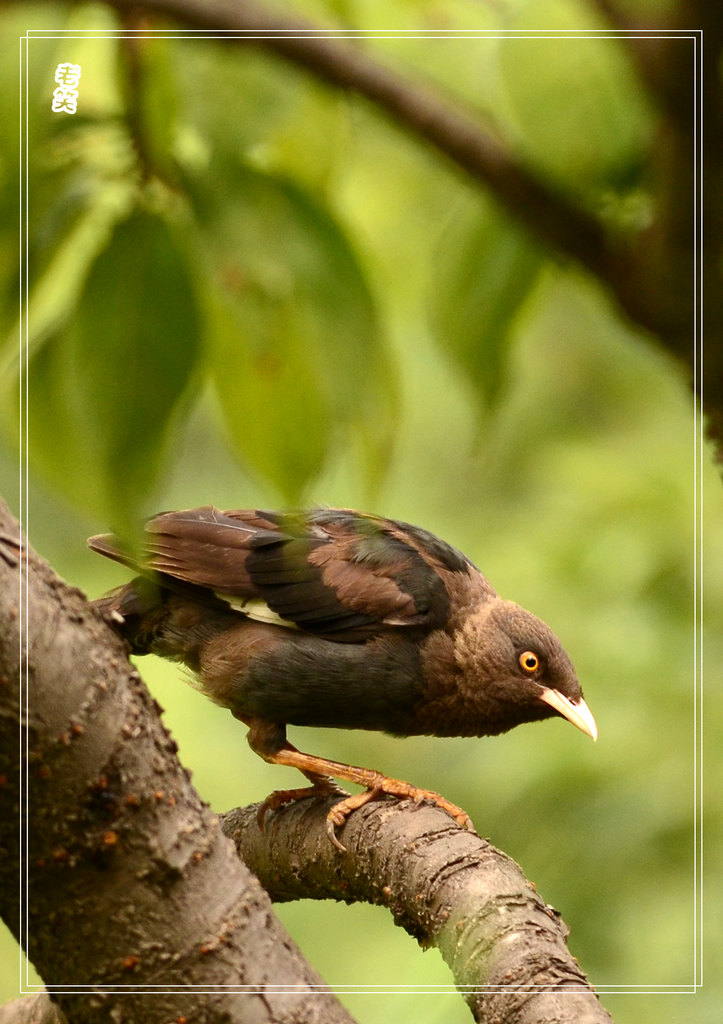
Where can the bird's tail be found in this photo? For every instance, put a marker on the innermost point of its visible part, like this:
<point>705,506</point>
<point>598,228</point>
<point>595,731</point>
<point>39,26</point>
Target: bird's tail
<point>173,621</point>
<point>136,611</point>
<point>108,544</point>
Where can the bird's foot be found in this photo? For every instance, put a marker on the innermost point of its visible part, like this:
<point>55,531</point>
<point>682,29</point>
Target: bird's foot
<point>384,786</point>
<point>267,739</point>
<point>323,785</point>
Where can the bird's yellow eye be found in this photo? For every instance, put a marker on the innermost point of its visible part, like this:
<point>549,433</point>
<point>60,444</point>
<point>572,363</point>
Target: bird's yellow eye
<point>529,662</point>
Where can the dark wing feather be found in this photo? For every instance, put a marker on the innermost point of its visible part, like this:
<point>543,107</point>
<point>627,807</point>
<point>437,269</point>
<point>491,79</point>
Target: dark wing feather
<point>333,572</point>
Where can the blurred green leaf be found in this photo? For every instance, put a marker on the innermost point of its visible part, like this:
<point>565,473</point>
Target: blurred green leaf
<point>70,158</point>
<point>57,447</point>
<point>101,391</point>
<point>283,118</point>
<point>78,170</point>
<point>94,190</point>
<point>270,391</point>
<point>296,353</point>
<point>575,103</point>
<point>484,270</point>
<point>36,125</point>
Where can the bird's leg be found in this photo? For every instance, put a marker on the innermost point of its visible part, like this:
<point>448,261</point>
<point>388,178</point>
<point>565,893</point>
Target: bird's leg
<point>269,741</point>
<point>321,785</point>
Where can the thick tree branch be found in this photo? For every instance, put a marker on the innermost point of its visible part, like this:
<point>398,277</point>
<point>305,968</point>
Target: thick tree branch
<point>447,887</point>
<point>122,860</point>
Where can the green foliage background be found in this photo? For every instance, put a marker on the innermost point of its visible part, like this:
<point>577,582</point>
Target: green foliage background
<point>247,290</point>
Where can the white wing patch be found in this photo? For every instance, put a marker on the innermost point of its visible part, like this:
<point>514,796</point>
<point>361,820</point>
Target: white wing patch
<point>255,608</point>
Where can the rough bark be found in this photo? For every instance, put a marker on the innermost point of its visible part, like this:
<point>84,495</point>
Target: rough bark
<point>130,883</point>
<point>447,887</point>
<point>38,1009</point>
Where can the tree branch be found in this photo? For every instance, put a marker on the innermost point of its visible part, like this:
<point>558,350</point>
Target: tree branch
<point>120,856</point>
<point>453,132</point>
<point>650,274</point>
<point>651,53</point>
<point>446,886</point>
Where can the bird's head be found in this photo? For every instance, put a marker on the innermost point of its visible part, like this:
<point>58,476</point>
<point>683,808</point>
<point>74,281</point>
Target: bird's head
<point>520,670</point>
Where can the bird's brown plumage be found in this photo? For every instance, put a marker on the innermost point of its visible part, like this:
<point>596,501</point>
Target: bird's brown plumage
<point>370,623</point>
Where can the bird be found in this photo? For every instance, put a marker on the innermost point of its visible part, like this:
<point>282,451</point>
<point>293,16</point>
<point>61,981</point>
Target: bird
<point>340,619</point>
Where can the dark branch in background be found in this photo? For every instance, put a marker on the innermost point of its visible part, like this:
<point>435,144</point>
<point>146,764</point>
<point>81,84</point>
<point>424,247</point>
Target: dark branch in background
<point>134,89</point>
<point>130,881</point>
<point>651,274</point>
<point>649,53</point>
<point>447,887</point>
<point>454,132</point>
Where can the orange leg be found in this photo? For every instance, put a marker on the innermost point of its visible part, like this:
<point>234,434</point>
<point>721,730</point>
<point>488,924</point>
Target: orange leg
<point>322,785</point>
<point>264,740</point>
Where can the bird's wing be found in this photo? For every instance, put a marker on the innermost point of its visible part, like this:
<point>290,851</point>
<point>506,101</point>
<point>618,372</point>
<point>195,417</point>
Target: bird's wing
<point>333,572</point>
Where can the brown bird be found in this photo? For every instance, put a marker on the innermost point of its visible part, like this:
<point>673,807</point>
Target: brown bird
<point>341,619</point>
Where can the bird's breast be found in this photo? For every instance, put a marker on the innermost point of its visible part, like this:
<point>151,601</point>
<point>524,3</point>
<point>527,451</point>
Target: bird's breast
<point>295,678</point>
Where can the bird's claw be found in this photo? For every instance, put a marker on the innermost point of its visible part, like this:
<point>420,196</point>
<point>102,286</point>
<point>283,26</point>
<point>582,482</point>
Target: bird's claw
<point>340,812</point>
<point>427,796</point>
<point>324,784</point>
<point>331,826</point>
<point>325,787</point>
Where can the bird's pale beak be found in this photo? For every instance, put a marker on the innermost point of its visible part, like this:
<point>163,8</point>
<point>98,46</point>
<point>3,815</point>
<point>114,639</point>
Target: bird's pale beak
<point>576,712</point>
